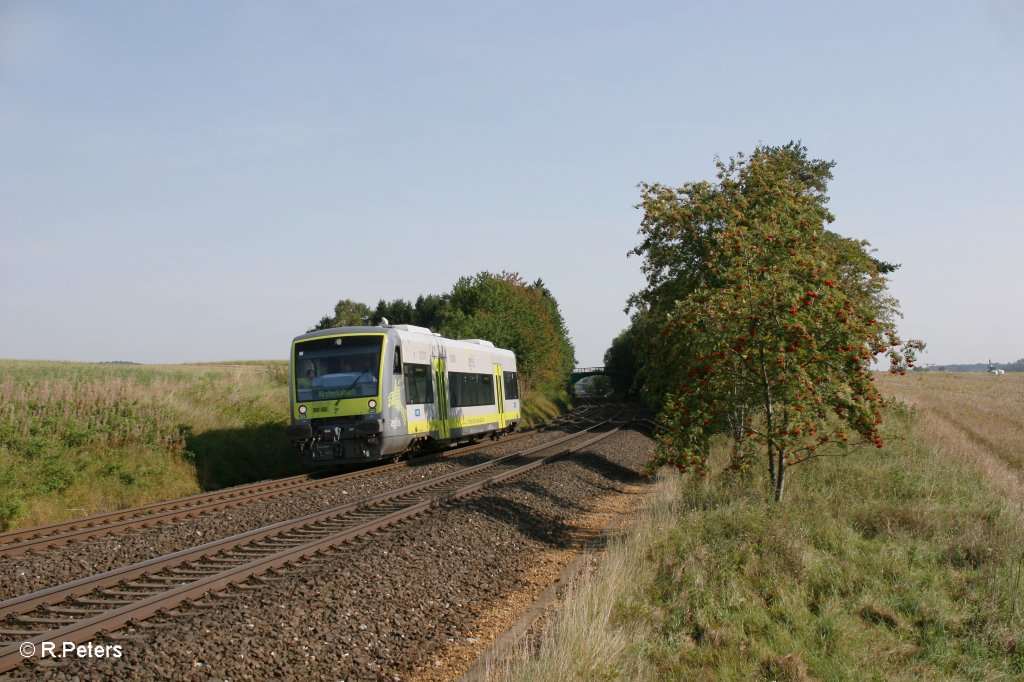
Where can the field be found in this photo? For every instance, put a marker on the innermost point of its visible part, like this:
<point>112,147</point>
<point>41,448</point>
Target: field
<point>79,439</point>
<point>977,417</point>
<point>896,564</point>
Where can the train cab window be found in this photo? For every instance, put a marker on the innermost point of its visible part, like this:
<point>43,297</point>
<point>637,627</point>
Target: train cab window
<point>335,367</point>
<point>419,389</point>
<point>397,369</point>
<point>511,385</point>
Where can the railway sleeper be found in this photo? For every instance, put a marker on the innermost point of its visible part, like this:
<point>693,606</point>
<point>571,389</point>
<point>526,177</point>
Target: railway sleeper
<point>198,572</point>
<point>147,582</point>
<point>333,526</point>
<point>225,562</point>
<point>70,610</point>
<point>92,601</point>
<point>295,541</point>
<point>288,543</point>
<point>270,543</point>
<point>254,552</point>
<point>257,583</point>
<point>40,620</point>
<point>171,579</point>
<point>16,635</point>
<point>134,594</point>
<point>300,535</point>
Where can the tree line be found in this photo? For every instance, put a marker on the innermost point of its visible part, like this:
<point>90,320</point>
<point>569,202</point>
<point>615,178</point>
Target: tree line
<point>757,323</point>
<point>502,308</point>
<point>1016,366</point>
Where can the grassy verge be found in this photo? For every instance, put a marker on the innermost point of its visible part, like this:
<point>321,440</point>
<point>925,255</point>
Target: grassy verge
<point>540,406</point>
<point>902,564</point>
<point>78,438</point>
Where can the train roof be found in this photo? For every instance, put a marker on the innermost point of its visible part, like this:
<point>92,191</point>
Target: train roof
<point>334,331</point>
<point>407,331</point>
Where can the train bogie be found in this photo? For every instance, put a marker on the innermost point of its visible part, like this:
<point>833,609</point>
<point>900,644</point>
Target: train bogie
<point>367,393</point>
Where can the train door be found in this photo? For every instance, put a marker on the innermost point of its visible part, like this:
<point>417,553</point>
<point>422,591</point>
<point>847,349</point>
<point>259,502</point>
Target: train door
<point>499,389</point>
<point>441,391</point>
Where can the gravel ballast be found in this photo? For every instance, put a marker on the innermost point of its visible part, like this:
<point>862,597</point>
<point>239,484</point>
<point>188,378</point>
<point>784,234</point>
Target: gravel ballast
<point>412,602</point>
<point>28,573</point>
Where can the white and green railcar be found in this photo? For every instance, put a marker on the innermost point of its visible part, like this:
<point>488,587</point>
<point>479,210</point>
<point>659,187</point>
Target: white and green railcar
<point>367,393</point>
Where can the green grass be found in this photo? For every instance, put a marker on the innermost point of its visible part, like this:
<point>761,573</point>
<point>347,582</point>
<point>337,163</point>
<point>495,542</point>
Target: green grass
<point>539,406</point>
<point>78,438</point>
<point>888,565</point>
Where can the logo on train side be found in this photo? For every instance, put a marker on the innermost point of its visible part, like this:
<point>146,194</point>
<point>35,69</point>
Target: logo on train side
<point>395,400</point>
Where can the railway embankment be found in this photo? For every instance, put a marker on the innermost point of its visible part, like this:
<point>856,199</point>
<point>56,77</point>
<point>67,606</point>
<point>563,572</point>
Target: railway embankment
<point>91,550</point>
<point>77,439</point>
<point>419,600</point>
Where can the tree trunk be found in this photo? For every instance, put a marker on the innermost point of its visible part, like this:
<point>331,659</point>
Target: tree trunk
<point>768,415</point>
<point>780,480</point>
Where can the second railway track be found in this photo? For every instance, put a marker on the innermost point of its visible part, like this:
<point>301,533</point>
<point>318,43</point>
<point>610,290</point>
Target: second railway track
<point>40,538</point>
<point>78,611</point>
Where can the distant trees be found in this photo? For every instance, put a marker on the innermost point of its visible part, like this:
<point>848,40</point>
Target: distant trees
<point>347,313</point>
<point>757,321</point>
<point>624,358</point>
<point>501,308</point>
<point>425,312</point>
<point>523,317</point>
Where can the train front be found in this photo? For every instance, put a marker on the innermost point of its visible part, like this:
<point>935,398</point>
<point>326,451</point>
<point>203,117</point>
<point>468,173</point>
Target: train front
<point>337,386</point>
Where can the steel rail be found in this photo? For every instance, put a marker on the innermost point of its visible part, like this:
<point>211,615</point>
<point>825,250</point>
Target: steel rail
<point>24,603</point>
<point>83,630</point>
<point>13,536</point>
<point>16,543</point>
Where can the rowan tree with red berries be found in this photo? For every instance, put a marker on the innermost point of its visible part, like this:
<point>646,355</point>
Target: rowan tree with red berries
<point>766,323</point>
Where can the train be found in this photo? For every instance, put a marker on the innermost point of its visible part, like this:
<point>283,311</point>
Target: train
<point>378,392</point>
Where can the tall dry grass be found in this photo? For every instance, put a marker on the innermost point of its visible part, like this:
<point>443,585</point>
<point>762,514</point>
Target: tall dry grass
<point>78,438</point>
<point>898,564</point>
<point>588,640</point>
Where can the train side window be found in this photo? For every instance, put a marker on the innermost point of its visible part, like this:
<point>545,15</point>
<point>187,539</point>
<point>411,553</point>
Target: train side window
<point>397,369</point>
<point>511,385</point>
<point>456,385</point>
<point>470,390</point>
<point>485,394</point>
<point>419,389</point>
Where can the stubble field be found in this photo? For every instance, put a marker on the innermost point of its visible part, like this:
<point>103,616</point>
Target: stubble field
<point>974,416</point>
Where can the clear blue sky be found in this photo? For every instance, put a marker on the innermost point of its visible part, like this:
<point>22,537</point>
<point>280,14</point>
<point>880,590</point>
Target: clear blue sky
<point>198,181</point>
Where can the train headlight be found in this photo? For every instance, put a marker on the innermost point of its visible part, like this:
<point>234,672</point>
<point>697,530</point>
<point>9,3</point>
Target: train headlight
<point>302,409</point>
<point>372,405</point>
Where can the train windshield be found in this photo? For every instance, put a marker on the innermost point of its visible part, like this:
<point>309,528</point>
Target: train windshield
<point>337,367</point>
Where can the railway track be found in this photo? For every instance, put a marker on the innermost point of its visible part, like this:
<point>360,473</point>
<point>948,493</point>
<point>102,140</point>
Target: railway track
<point>76,612</point>
<point>18,542</point>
